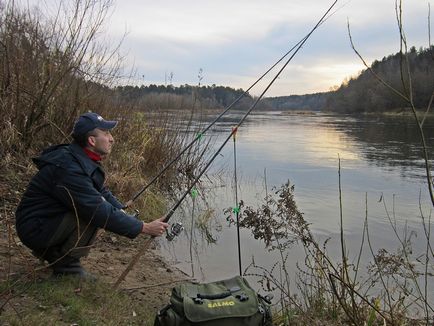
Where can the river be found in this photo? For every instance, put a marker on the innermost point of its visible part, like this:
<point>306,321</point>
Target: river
<point>382,174</point>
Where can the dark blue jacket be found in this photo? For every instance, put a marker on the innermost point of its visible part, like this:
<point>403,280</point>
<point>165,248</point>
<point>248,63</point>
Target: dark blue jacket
<point>69,181</point>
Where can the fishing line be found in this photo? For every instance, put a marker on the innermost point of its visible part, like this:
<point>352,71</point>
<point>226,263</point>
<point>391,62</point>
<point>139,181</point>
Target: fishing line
<point>180,200</point>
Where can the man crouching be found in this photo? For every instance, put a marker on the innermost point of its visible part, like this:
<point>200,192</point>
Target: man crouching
<point>66,201</point>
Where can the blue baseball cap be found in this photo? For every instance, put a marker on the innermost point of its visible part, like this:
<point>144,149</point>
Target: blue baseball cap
<point>89,121</point>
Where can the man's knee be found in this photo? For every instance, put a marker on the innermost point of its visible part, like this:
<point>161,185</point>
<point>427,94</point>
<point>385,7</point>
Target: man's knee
<point>73,237</point>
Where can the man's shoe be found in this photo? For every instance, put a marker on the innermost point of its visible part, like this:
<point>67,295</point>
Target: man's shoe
<point>38,254</point>
<point>73,269</point>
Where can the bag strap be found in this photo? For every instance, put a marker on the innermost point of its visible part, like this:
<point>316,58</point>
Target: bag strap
<point>214,296</point>
<point>199,297</point>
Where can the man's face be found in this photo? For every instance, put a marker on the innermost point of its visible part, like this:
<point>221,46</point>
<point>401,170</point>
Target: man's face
<point>101,142</point>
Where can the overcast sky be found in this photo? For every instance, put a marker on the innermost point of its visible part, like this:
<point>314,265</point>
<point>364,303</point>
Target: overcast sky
<point>235,41</point>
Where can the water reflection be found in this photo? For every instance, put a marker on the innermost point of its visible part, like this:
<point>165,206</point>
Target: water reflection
<point>390,142</point>
<point>299,142</point>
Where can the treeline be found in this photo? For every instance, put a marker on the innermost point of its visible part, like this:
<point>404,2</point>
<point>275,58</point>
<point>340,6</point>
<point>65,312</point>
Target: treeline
<point>366,94</point>
<point>315,101</point>
<point>360,94</point>
<point>183,97</point>
<point>186,97</point>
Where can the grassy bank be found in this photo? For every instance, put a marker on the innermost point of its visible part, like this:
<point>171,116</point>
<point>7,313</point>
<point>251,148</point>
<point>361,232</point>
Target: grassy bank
<point>67,301</point>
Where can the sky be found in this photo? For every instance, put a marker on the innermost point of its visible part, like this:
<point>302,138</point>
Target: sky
<point>233,42</point>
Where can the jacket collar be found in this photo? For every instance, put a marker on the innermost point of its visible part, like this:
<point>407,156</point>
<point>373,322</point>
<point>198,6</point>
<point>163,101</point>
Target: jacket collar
<point>92,155</point>
<point>83,159</point>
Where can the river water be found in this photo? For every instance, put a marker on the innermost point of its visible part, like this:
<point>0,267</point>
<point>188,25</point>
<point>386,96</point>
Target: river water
<point>382,174</point>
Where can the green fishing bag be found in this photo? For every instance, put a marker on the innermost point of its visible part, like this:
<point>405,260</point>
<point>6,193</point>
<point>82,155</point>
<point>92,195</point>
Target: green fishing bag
<point>230,302</point>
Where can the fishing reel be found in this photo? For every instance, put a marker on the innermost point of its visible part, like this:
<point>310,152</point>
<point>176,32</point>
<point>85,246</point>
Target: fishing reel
<point>175,230</point>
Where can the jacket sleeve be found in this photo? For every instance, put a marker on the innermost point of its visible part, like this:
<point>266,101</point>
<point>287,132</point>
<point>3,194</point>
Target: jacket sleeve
<point>110,198</point>
<point>75,189</point>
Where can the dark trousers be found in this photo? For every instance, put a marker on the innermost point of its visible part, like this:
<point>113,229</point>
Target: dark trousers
<point>72,240</point>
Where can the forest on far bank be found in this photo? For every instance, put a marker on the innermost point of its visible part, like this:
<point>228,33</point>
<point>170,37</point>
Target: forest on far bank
<point>360,94</point>
<point>365,94</point>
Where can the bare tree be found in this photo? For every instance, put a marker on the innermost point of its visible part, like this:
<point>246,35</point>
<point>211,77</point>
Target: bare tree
<point>51,64</point>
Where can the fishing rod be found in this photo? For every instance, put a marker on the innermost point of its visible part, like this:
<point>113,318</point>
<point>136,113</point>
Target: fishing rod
<point>178,227</point>
<point>236,209</point>
<point>201,133</point>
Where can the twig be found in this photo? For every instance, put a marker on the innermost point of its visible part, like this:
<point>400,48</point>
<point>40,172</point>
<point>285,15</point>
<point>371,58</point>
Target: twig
<point>370,69</point>
<point>357,293</point>
<point>427,109</point>
<point>133,261</point>
<point>380,273</point>
<point>157,284</point>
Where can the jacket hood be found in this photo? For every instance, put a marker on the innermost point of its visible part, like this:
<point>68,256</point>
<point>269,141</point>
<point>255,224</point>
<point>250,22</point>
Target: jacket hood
<point>51,155</point>
<point>60,155</point>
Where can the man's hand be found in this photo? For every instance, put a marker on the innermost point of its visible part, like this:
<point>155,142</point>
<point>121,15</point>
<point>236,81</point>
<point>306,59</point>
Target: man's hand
<point>155,228</point>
